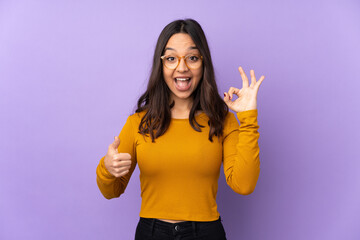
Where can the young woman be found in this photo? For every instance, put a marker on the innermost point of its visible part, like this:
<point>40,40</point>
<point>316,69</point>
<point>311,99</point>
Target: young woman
<point>180,134</point>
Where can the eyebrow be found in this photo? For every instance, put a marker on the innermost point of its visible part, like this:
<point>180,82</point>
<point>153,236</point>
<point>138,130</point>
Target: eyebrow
<point>190,48</point>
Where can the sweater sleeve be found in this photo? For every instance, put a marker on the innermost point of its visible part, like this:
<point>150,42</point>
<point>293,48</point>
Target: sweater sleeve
<point>241,152</point>
<point>109,185</point>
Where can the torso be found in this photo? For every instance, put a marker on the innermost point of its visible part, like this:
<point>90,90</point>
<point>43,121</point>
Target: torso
<point>179,116</point>
<point>170,221</point>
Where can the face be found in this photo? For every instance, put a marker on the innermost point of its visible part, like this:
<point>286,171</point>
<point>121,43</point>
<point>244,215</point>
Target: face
<point>181,44</point>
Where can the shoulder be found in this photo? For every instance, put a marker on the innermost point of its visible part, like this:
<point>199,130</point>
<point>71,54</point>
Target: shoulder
<point>242,116</point>
<point>230,120</point>
<point>132,122</point>
<point>230,123</point>
<point>136,117</point>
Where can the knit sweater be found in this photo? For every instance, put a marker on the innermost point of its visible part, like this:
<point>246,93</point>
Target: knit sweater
<point>179,172</point>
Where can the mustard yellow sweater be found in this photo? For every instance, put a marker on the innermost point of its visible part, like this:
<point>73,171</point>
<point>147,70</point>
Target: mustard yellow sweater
<point>179,172</point>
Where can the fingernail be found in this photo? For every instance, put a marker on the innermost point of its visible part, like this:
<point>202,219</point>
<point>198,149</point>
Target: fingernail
<point>224,94</point>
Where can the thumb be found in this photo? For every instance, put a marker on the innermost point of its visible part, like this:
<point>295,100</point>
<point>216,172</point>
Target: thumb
<point>227,99</point>
<point>116,143</point>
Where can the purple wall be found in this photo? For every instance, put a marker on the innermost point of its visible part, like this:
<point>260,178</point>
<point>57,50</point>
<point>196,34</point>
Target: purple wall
<point>71,72</point>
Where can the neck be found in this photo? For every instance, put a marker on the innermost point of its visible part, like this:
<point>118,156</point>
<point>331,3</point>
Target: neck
<point>182,106</point>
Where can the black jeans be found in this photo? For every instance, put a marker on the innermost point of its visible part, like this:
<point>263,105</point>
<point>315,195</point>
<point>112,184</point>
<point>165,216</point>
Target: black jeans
<point>154,229</point>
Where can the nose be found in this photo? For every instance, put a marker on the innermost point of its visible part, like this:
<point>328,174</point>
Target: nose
<point>182,65</point>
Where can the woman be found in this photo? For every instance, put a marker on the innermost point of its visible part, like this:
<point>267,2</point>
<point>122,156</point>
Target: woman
<point>179,135</point>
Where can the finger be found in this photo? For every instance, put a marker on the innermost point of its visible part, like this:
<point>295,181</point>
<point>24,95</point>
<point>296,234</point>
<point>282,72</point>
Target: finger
<point>244,77</point>
<point>122,173</point>
<point>229,93</point>
<point>122,156</point>
<point>253,78</point>
<point>233,90</point>
<point>120,170</point>
<point>261,79</point>
<point>118,164</point>
<point>227,98</point>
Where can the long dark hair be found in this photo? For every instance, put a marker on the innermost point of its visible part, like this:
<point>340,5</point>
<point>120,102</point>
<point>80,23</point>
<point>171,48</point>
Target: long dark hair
<point>156,98</point>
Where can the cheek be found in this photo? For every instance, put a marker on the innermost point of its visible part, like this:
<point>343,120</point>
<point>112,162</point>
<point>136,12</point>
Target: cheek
<point>199,74</point>
<point>167,73</point>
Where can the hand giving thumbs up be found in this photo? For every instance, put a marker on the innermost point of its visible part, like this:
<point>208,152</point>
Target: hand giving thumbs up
<point>118,164</point>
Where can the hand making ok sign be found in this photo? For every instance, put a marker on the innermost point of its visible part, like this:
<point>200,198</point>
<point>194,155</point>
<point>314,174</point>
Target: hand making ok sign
<point>246,95</point>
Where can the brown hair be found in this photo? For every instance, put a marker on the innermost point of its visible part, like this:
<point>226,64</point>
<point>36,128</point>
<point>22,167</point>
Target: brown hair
<point>156,98</point>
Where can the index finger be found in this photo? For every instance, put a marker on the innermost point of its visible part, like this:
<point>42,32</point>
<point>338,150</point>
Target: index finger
<point>122,156</point>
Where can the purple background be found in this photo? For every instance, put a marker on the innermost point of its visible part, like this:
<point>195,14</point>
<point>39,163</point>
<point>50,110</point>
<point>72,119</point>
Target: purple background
<point>72,71</point>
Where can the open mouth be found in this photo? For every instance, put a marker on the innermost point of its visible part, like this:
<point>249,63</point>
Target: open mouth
<point>182,84</point>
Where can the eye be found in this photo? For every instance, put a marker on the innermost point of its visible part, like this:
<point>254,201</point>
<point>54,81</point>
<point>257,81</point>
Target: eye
<point>170,58</point>
<point>193,58</point>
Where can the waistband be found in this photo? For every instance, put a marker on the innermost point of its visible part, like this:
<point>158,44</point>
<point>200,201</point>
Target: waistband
<point>173,228</point>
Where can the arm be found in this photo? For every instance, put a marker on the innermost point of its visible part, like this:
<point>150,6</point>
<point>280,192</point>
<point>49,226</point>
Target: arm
<point>241,152</point>
<point>109,185</point>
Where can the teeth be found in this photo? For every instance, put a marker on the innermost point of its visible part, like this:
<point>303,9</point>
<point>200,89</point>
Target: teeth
<point>182,79</point>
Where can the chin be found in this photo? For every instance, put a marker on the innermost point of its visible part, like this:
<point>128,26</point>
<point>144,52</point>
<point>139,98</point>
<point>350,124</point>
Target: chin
<point>183,96</point>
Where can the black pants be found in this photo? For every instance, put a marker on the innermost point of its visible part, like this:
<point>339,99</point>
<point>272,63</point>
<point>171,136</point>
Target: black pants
<point>154,229</point>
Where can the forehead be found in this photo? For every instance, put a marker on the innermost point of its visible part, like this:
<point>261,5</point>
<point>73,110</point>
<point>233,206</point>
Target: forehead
<point>180,42</point>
